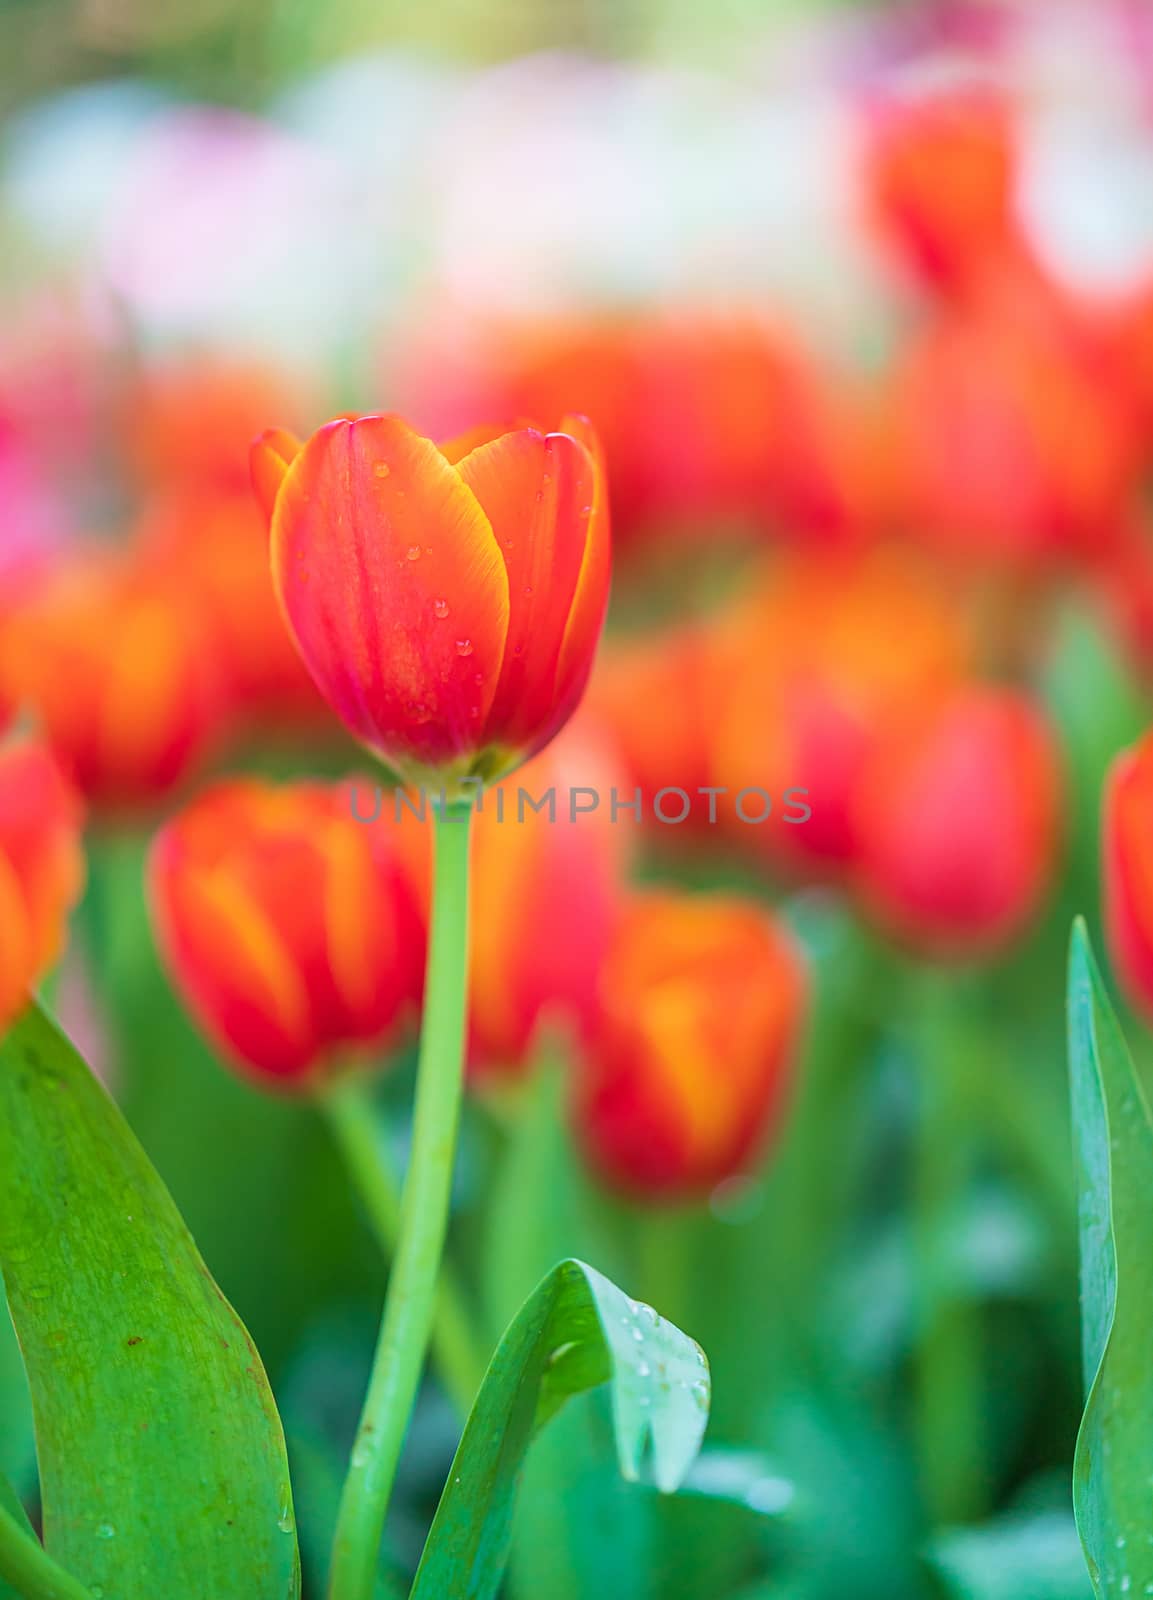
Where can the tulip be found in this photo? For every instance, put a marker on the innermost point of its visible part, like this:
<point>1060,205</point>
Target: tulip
<point>447,605</point>
<point>212,549</point>
<point>707,422</point>
<point>291,929</point>
<point>1127,884</point>
<point>117,674</point>
<point>956,822</point>
<point>686,1075</point>
<point>940,172</point>
<point>821,660</point>
<point>41,866</point>
<point>1014,448</point>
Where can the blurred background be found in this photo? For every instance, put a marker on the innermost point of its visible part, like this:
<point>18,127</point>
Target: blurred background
<point>860,299</point>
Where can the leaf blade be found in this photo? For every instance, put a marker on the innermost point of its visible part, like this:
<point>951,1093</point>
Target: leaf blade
<point>576,1330</point>
<point>1113,1135</point>
<point>162,1458</point>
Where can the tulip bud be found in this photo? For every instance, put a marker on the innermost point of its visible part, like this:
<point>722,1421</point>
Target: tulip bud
<point>291,929</point>
<point>956,822</point>
<point>447,609</point>
<point>113,667</point>
<point>41,866</point>
<point>1128,886</point>
<point>685,1077</point>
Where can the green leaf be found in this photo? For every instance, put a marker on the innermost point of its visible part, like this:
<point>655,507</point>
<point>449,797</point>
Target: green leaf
<point>1113,1134</point>
<point>163,1468</point>
<point>1036,1555</point>
<point>575,1331</point>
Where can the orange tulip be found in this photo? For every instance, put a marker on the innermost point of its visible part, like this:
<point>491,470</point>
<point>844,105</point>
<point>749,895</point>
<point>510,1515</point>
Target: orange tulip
<point>1128,883</point>
<point>212,549</point>
<point>447,604</point>
<point>956,822</point>
<point>117,673</point>
<point>41,866</point>
<point>709,424</point>
<point>291,929</point>
<point>821,661</point>
<point>702,1001</point>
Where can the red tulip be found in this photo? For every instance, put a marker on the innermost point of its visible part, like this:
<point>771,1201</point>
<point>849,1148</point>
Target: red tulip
<point>956,822</point>
<point>447,607</point>
<point>685,1077</point>
<point>291,929</point>
<point>41,866</point>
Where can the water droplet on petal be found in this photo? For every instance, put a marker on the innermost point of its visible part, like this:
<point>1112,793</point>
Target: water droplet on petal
<point>464,647</point>
<point>700,1393</point>
<point>382,469</point>
<point>440,608</point>
<point>105,1531</point>
<point>643,1369</point>
<point>528,593</point>
<point>413,552</point>
<point>638,1336</point>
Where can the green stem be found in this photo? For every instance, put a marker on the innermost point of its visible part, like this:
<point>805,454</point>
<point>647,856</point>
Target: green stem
<point>949,1373</point>
<point>354,1123</point>
<point>26,1565</point>
<point>411,1299</point>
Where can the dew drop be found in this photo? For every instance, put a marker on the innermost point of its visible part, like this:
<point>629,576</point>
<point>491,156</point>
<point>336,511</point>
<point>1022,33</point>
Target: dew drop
<point>285,1521</point>
<point>700,1393</point>
<point>382,469</point>
<point>413,552</point>
<point>440,608</point>
<point>464,647</point>
<point>649,1315</point>
<point>644,1400</point>
<point>638,1336</point>
<point>528,592</point>
<point>479,678</point>
<point>643,1369</point>
<point>518,650</point>
<point>105,1531</point>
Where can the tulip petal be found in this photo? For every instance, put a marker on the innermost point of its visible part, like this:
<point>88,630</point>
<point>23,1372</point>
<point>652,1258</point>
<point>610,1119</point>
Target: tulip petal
<point>590,602</point>
<point>269,460</point>
<point>392,583</point>
<point>538,492</point>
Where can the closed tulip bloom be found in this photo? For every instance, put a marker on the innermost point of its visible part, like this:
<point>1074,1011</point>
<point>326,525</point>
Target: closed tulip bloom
<point>1127,838</point>
<point>702,1001</point>
<point>291,930</point>
<point>957,822</point>
<point>41,866</point>
<point>447,602</point>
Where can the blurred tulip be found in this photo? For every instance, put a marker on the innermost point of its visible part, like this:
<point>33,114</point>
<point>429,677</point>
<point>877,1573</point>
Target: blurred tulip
<point>119,676</point>
<point>212,549</point>
<point>189,426</point>
<point>702,1001</point>
<point>708,423</point>
<point>940,175</point>
<point>291,929</point>
<point>1014,448</point>
<point>448,609</point>
<point>547,874</point>
<point>957,822</point>
<point>41,866</point>
<point>820,662</point>
<point>1127,883</point>
<point>546,896</point>
<point>658,696</point>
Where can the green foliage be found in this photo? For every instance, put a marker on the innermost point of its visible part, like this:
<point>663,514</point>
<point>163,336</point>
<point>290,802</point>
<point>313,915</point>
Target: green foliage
<point>577,1330</point>
<point>163,1470</point>
<point>1113,1465</point>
